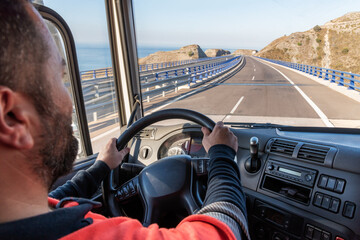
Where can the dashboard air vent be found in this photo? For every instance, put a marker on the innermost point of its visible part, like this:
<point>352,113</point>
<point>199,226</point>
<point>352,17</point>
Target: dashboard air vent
<point>283,147</point>
<point>313,153</point>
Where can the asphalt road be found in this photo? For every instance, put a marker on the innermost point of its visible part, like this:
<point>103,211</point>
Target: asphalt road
<point>264,92</point>
<point>260,92</point>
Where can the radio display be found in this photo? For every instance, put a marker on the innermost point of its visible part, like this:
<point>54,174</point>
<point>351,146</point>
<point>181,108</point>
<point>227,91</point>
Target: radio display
<point>285,170</point>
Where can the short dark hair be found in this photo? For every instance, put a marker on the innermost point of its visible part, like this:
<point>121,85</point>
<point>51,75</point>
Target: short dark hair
<point>23,51</point>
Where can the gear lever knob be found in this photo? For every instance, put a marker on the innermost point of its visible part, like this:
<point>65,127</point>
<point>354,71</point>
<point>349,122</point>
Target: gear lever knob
<point>253,164</point>
<point>254,147</point>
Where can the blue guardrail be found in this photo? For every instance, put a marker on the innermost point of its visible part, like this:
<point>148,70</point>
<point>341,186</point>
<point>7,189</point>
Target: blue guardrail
<point>346,79</point>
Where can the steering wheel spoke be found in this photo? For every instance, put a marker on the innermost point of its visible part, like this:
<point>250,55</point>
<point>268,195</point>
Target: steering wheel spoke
<point>127,190</point>
<point>200,165</point>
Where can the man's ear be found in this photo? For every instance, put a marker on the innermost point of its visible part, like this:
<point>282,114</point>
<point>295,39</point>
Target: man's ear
<point>14,120</point>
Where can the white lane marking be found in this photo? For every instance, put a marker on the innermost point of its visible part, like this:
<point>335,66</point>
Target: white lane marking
<point>312,104</point>
<point>236,105</point>
<point>105,133</point>
<point>253,78</point>
<point>254,69</point>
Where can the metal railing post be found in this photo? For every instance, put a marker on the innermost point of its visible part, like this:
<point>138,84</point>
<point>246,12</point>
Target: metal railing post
<point>333,77</point>
<point>97,94</point>
<point>341,83</point>
<point>327,74</point>
<point>352,84</point>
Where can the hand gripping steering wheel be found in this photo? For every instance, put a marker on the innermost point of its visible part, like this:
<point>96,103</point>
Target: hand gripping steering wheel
<point>164,184</point>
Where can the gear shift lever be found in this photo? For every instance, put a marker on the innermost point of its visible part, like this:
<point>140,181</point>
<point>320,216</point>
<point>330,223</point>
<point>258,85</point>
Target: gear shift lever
<point>253,164</point>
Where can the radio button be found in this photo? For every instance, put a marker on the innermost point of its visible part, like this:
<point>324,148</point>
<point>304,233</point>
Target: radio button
<point>270,167</point>
<point>323,181</point>
<point>331,184</point>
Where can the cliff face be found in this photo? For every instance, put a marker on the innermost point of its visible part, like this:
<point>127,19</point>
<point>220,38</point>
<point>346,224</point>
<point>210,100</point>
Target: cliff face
<point>216,52</point>
<point>247,52</point>
<point>335,45</point>
<point>185,53</point>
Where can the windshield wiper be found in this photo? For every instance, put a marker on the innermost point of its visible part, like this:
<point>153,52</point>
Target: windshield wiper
<point>254,125</point>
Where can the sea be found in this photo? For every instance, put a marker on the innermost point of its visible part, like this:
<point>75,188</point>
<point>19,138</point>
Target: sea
<point>92,57</point>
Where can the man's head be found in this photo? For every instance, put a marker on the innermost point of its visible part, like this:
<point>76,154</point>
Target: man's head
<point>35,107</point>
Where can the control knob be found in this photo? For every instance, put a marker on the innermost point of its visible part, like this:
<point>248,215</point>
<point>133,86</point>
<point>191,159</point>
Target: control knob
<point>308,177</point>
<point>270,167</point>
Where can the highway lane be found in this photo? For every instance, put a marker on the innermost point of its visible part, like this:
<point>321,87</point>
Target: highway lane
<point>260,93</point>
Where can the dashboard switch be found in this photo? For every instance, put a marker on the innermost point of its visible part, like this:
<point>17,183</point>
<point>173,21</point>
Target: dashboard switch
<point>309,231</point>
<point>323,181</point>
<point>317,234</point>
<point>349,209</point>
<point>340,184</point>
<point>325,236</point>
<point>331,184</point>
<point>318,199</point>
<point>326,202</point>
<point>335,204</point>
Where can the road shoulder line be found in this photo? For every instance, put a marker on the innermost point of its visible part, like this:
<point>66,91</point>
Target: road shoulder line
<point>340,89</point>
<point>310,102</point>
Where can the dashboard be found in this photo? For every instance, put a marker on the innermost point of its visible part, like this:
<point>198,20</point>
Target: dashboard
<point>307,186</point>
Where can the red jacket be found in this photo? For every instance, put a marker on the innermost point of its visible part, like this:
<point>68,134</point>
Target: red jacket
<point>192,227</point>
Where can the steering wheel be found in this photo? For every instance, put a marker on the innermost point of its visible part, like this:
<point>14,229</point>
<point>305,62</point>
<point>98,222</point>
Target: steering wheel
<point>163,184</point>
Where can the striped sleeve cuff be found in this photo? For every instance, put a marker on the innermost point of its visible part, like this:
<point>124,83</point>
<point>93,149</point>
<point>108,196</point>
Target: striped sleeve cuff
<point>229,214</point>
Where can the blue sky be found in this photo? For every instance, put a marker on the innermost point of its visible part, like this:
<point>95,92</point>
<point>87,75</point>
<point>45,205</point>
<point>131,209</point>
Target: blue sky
<point>228,24</point>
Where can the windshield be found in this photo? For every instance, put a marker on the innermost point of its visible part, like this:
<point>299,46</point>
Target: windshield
<point>283,62</point>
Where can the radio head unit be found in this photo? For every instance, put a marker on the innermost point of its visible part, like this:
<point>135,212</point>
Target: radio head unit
<point>293,173</point>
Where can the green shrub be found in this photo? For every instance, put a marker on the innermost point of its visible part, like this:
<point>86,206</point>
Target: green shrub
<point>299,43</point>
<point>318,40</point>
<point>191,53</point>
<point>345,51</point>
<point>317,28</point>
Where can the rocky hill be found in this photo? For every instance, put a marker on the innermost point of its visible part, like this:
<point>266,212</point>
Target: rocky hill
<point>216,52</point>
<point>335,45</point>
<point>247,52</point>
<point>185,53</point>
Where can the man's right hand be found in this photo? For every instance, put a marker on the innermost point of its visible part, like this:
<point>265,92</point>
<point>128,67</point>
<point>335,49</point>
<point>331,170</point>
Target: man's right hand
<point>219,135</point>
<point>111,156</point>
